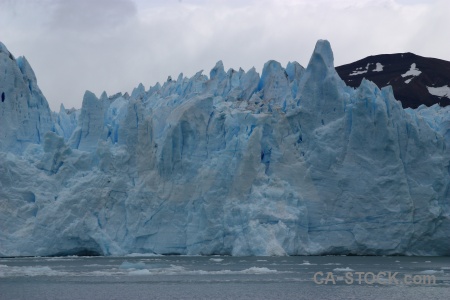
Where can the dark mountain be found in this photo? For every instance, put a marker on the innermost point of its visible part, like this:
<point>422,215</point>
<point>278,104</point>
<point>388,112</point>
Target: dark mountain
<point>415,79</point>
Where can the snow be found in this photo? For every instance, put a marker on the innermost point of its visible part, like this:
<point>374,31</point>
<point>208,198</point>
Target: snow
<point>359,71</point>
<point>292,162</point>
<point>443,91</point>
<point>378,68</point>
<point>356,72</point>
<point>413,71</point>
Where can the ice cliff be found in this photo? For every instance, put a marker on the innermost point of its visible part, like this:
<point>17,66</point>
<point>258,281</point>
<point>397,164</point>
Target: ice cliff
<point>290,162</point>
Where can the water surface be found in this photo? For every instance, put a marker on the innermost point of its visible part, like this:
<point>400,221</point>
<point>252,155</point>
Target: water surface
<point>200,277</point>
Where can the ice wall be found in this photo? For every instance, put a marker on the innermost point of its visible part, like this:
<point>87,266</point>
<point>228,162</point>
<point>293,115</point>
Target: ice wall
<point>24,112</point>
<point>290,162</point>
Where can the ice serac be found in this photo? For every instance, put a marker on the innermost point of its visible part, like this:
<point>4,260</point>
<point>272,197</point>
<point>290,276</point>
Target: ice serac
<point>292,162</point>
<point>65,121</point>
<point>24,112</point>
<point>90,129</point>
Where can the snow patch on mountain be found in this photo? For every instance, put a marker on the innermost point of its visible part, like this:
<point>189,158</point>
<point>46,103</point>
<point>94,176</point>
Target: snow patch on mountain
<point>378,68</point>
<point>443,91</point>
<point>359,72</point>
<point>413,71</point>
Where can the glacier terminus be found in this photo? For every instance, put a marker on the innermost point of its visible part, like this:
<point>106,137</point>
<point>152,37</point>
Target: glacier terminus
<point>289,162</point>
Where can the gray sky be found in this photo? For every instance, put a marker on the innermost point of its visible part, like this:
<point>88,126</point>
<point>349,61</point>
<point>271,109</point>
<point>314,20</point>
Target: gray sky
<point>113,45</point>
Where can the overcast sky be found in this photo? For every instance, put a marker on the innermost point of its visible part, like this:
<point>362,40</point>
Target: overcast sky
<point>113,45</point>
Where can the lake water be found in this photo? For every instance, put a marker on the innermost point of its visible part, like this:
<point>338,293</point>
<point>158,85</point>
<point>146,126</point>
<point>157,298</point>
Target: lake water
<point>201,277</point>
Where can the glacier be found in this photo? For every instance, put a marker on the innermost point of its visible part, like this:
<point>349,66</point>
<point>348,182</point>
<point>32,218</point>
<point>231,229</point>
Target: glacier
<point>289,162</point>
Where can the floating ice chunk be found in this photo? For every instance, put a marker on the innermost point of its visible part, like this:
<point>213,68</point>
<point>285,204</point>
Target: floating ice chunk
<point>346,269</point>
<point>101,273</point>
<point>143,255</point>
<point>216,259</point>
<point>257,270</point>
<point>128,265</point>
<point>7,271</point>
<point>431,272</point>
<point>60,259</point>
<point>306,263</point>
<point>139,272</point>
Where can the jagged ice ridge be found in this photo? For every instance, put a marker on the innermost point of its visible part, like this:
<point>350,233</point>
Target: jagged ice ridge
<point>292,162</point>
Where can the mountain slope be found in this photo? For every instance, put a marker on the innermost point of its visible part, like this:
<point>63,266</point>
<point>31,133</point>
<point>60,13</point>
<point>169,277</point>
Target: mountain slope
<point>415,79</point>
